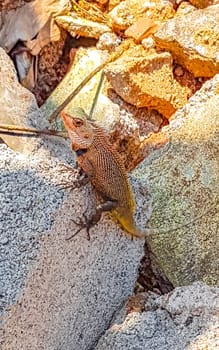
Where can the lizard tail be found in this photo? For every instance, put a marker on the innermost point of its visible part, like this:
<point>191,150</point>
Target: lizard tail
<point>129,226</point>
<point>137,233</point>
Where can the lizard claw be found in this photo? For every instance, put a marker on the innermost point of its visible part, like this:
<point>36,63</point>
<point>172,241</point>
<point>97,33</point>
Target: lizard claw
<point>87,223</point>
<point>67,184</point>
<point>93,220</point>
<point>81,178</point>
<point>64,168</point>
<point>70,171</point>
<point>83,223</point>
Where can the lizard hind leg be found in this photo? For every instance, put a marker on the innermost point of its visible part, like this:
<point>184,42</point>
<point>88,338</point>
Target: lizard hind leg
<point>88,223</point>
<point>82,223</point>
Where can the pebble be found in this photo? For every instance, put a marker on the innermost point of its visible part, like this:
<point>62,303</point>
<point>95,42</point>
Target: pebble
<point>178,71</point>
<point>4,240</point>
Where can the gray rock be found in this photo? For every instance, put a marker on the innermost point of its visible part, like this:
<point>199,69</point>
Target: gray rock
<point>54,292</point>
<point>62,292</point>
<point>18,107</point>
<point>183,319</point>
<point>182,179</point>
<point>108,41</point>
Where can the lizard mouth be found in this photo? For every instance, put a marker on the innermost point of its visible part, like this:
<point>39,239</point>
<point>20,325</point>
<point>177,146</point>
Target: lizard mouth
<point>67,120</point>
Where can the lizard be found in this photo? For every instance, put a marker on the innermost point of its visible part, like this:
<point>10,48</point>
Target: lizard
<point>104,168</point>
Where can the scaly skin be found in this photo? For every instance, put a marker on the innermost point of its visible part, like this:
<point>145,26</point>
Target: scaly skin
<point>104,167</point>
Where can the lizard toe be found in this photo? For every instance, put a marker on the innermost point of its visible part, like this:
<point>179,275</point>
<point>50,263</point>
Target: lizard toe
<point>83,223</point>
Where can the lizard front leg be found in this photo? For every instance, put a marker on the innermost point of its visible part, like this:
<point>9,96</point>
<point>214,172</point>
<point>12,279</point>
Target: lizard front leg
<point>93,220</point>
<point>106,206</point>
<point>81,179</point>
<point>84,175</point>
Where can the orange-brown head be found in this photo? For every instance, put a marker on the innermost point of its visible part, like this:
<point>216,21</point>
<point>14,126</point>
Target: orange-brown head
<point>79,128</point>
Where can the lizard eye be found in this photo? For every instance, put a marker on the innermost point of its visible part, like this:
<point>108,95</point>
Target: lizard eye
<point>78,122</point>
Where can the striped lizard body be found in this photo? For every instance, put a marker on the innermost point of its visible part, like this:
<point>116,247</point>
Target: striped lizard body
<point>104,167</point>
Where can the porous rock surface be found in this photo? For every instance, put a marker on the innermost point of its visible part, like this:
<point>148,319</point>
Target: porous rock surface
<point>196,46</point>
<point>146,80</point>
<point>60,292</point>
<point>55,293</point>
<point>186,318</point>
<point>182,179</point>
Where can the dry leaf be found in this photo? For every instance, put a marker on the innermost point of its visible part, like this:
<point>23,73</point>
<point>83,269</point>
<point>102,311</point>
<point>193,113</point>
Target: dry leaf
<point>25,22</point>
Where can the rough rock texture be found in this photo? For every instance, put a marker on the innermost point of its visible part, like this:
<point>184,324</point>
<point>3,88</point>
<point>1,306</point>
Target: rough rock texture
<point>77,26</point>
<point>18,106</point>
<point>60,292</point>
<point>72,290</point>
<point>197,46</point>
<point>127,12</point>
<point>28,203</point>
<point>185,8</point>
<point>108,41</point>
<point>146,80</point>
<point>185,319</point>
<point>183,182</point>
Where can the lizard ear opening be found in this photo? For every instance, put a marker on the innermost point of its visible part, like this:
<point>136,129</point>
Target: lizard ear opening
<point>86,136</point>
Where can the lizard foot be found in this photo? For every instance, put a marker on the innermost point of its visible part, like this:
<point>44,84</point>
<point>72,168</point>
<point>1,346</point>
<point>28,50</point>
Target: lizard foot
<point>86,223</point>
<point>64,168</point>
<point>81,179</point>
<point>93,220</point>
<point>64,185</point>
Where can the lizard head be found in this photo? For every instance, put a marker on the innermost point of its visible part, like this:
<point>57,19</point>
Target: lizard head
<point>79,128</point>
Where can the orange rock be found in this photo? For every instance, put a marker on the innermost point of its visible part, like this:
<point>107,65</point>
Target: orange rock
<point>141,29</point>
<point>194,46</point>
<point>203,3</point>
<point>146,80</point>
